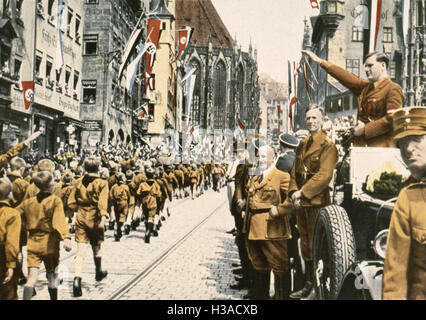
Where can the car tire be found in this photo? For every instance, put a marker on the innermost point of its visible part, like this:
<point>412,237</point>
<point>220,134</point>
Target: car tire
<point>333,251</point>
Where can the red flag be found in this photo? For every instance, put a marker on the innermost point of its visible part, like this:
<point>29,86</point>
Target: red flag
<point>240,124</point>
<point>28,89</point>
<point>184,36</point>
<point>314,4</point>
<point>154,37</point>
<point>144,111</point>
<point>305,69</point>
<point>376,10</point>
<point>260,122</point>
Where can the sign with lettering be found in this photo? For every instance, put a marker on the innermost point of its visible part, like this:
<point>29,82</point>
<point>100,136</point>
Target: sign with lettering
<point>93,125</point>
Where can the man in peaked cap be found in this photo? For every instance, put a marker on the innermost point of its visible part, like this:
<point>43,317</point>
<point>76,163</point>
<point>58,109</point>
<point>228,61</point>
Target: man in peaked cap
<point>288,145</point>
<point>404,274</point>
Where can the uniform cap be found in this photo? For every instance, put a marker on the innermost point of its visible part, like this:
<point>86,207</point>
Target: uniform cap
<point>257,143</point>
<point>289,140</point>
<point>410,121</point>
<point>129,175</point>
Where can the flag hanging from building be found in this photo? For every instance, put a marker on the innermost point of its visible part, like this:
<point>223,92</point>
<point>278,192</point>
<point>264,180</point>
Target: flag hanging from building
<point>130,45</point>
<point>143,111</point>
<point>376,10</point>
<point>305,73</point>
<point>132,69</point>
<point>59,57</point>
<point>314,4</point>
<point>405,20</point>
<point>361,16</point>
<point>240,124</point>
<point>190,83</point>
<point>188,73</point>
<point>154,32</point>
<point>184,36</point>
<point>28,89</point>
<point>292,70</point>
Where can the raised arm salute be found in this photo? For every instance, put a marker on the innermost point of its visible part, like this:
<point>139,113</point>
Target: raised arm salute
<point>379,97</point>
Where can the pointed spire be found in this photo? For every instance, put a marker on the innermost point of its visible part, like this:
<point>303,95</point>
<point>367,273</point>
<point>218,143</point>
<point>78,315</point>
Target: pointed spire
<point>250,50</point>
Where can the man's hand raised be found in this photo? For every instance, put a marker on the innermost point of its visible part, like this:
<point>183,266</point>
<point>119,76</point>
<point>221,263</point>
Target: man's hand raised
<point>312,55</point>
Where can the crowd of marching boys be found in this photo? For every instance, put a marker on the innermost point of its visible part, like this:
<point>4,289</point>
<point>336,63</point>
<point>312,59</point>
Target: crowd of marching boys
<point>45,203</point>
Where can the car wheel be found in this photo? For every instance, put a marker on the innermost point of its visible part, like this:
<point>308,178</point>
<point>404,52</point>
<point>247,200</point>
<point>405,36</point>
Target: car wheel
<point>333,251</point>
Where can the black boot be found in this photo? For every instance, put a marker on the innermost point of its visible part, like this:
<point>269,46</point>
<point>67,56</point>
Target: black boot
<point>111,225</point>
<point>280,286</point>
<point>53,293</point>
<point>28,293</point>
<point>133,225</point>
<point>76,287</point>
<point>306,290</point>
<point>126,229</point>
<point>100,274</point>
<point>148,231</point>
<point>261,284</point>
<point>118,234</point>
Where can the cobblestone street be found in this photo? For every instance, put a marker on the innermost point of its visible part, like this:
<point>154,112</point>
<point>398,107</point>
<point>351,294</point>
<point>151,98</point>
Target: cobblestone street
<point>190,259</point>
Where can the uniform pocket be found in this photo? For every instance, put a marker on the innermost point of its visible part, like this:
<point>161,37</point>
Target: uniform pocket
<point>269,195</point>
<point>419,235</point>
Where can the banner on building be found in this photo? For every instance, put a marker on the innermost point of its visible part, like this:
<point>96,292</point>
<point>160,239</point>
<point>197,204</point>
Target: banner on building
<point>405,20</point>
<point>184,36</point>
<point>132,69</point>
<point>376,10</point>
<point>154,32</point>
<point>59,57</point>
<point>292,76</point>
<point>28,89</point>
<point>190,83</point>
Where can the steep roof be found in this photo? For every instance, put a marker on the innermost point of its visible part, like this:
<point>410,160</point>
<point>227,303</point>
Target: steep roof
<point>203,17</point>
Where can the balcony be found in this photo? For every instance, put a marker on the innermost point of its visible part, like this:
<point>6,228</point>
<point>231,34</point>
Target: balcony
<point>331,13</point>
<point>6,76</point>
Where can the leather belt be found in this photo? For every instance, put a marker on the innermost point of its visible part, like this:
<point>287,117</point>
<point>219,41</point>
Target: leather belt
<point>257,211</point>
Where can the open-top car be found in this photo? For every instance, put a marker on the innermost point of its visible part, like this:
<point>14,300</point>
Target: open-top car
<point>350,235</point>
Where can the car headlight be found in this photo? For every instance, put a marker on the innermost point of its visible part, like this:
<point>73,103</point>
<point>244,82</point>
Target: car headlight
<point>380,243</point>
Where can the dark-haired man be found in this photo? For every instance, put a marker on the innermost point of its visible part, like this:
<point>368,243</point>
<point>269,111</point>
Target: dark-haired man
<point>379,97</point>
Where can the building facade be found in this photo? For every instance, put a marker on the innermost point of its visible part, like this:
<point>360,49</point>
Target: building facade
<point>106,106</point>
<point>226,86</point>
<point>333,36</point>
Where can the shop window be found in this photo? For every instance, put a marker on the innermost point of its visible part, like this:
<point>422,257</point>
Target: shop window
<point>354,102</point>
<point>387,35</point>
<point>346,103</point>
<point>90,44</point>
<point>328,106</point>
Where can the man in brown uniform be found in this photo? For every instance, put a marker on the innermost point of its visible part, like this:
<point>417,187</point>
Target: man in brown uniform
<point>90,200</point>
<point>316,158</point>
<point>268,229</point>
<point>378,98</point>
<point>15,150</point>
<point>404,274</point>
<point>10,230</point>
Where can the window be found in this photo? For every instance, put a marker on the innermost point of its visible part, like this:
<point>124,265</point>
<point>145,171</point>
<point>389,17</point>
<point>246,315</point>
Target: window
<point>90,44</point>
<point>196,95</point>
<point>49,82</point>
<point>17,66</point>
<point>69,21</point>
<point>220,96</point>
<point>387,35</point>
<point>37,66</point>
<point>58,75</point>
<point>163,26</point>
<point>331,7</point>
<point>92,1</point>
<point>392,69</point>
<point>89,91</point>
<point>75,85</point>
<point>77,28</point>
<point>50,7</point>
<point>346,103</point>
<point>5,55</point>
<point>357,34</point>
<point>352,65</point>
<point>67,81</point>
<point>328,107</point>
<point>354,102</point>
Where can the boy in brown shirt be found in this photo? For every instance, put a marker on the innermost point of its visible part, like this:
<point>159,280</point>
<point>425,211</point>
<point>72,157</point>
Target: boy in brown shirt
<point>46,226</point>
<point>10,229</point>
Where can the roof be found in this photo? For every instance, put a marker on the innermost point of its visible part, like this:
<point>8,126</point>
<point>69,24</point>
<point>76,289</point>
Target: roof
<point>203,17</point>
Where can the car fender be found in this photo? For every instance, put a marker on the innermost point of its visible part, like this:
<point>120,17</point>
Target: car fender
<point>365,275</point>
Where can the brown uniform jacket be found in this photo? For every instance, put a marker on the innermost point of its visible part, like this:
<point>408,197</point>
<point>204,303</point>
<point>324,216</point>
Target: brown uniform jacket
<point>10,230</point>
<point>90,197</point>
<point>313,169</point>
<point>44,213</point>
<point>261,195</point>
<point>376,103</point>
<point>121,198</point>
<point>32,190</point>
<point>404,274</point>
<point>149,191</point>
<point>11,153</point>
<point>180,177</point>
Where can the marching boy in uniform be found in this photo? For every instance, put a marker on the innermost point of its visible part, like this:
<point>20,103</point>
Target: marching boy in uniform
<point>10,229</point>
<point>46,226</point>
